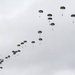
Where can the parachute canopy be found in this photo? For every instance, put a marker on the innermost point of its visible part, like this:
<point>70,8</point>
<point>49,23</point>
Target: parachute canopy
<point>14,52</point>
<point>39,31</point>
<point>19,51</point>
<point>1,67</point>
<point>18,45</point>
<point>1,61</point>
<point>7,57</point>
<point>63,7</point>
<point>40,39</point>
<point>22,43</point>
<point>32,41</point>
<point>73,15</point>
<point>49,18</point>
<point>49,14</point>
<point>40,11</point>
<point>52,24</point>
<point>25,41</point>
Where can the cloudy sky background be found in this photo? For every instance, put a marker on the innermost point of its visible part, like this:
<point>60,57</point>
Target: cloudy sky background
<point>19,21</point>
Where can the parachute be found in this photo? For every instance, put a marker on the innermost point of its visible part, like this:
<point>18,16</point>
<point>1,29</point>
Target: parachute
<point>39,31</point>
<point>19,51</point>
<point>22,43</point>
<point>40,39</point>
<point>49,14</point>
<point>52,24</point>
<point>73,15</point>
<point>62,7</point>
<point>18,45</point>
<point>40,11</point>
<point>25,41</point>
<point>1,67</point>
<point>1,61</point>
<point>32,41</point>
<point>7,57</point>
<point>49,18</point>
<point>14,52</point>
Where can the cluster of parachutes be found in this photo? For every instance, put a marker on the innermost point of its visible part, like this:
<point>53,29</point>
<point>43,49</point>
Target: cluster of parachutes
<point>49,17</point>
<point>14,52</point>
<point>63,8</point>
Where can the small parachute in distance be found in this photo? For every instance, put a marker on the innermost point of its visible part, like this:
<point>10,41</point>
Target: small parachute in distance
<point>39,31</point>
<point>40,11</point>
<point>62,7</point>
<point>7,57</point>
<point>32,41</point>
<point>25,41</point>
<point>1,61</point>
<point>40,39</point>
<point>18,45</point>
<point>14,52</point>
<point>49,14</point>
<point>22,43</point>
<point>19,51</point>
<point>73,15</point>
<point>1,67</point>
<point>52,24</point>
<point>49,18</point>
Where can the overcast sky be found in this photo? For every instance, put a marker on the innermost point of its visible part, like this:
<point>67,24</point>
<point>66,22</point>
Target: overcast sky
<point>19,21</point>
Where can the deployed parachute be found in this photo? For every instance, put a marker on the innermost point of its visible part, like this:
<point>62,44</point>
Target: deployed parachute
<point>62,8</point>
<point>32,41</point>
<point>40,39</point>
<point>49,18</point>
<point>1,67</point>
<point>18,45</point>
<point>49,14</point>
<point>39,31</point>
<point>14,52</point>
<point>1,61</point>
<point>73,15</point>
<point>25,41</point>
<point>19,51</point>
<point>52,24</point>
<point>7,57</point>
<point>40,11</point>
<point>22,43</point>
